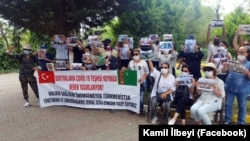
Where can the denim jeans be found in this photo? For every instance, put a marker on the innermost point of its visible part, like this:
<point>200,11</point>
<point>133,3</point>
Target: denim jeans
<point>142,97</point>
<point>242,101</point>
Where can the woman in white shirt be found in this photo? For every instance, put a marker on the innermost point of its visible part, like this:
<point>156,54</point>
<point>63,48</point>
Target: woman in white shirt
<point>164,84</point>
<point>210,99</point>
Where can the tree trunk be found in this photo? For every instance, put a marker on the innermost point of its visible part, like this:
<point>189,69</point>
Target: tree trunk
<point>4,36</point>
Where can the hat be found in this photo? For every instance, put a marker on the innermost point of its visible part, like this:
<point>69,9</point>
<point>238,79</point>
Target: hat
<point>210,65</point>
<point>27,46</point>
<point>43,46</point>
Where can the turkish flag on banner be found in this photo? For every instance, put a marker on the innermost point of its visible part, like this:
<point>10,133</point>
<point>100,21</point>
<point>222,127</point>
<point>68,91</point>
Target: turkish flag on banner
<point>46,77</point>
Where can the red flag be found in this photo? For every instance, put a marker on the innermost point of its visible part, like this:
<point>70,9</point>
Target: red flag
<point>46,77</point>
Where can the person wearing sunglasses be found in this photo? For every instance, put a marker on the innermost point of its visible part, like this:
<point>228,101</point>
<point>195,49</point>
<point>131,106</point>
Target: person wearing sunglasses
<point>186,100</point>
<point>142,67</point>
<point>211,96</point>
<point>164,84</point>
<point>237,85</point>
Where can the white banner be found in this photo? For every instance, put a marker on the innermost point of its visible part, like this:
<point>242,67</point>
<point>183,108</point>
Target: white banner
<point>87,89</point>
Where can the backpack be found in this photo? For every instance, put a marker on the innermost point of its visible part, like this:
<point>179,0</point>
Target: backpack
<point>180,92</point>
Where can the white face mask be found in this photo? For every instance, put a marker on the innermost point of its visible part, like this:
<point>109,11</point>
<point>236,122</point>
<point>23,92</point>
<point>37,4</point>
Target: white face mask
<point>208,73</point>
<point>184,73</point>
<point>87,53</point>
<point>164,71</point>
<point>241,57</point>
<point>136,57</point>
<point>26,52</point>
<point>125,45</point>
<point>108,53</point>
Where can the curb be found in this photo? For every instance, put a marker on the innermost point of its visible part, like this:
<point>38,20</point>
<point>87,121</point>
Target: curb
<point>234,118</point>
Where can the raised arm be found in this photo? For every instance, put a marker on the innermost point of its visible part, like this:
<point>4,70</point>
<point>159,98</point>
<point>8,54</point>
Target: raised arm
<point>235,40</point>
<point>150,64</point>
<point>208,35</point>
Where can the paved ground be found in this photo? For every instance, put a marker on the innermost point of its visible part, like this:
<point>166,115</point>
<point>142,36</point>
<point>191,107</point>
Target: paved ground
<point>59,123</point>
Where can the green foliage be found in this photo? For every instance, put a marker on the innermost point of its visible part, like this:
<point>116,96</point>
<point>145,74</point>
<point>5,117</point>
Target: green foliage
<point>59,16</point>
<point>8,64</point>
<point>232,22</point>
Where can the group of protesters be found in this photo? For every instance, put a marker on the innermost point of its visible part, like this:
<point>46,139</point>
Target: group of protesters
<point>157,73</point>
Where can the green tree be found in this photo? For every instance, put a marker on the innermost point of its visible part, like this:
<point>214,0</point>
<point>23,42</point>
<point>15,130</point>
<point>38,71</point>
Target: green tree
<point>59,16</point>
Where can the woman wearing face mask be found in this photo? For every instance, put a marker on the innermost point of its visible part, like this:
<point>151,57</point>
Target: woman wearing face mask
<point>89,65</point>
<point>28,65</point>
<point>185,101</point>
<point>237,84</point>
<point>142,67</point>
<point>166,85</point>
<point>210,100</point>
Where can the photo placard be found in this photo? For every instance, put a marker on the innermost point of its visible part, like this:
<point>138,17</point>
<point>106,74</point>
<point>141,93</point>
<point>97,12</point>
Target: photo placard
<point>153,37</point>
<point>72,41</point>
<point>122,37</point>
<point>206,84</point>
<point>131,42</point>
<point>58,39</point>
<point>217,23</point>
<point>244,29</point>
<point>235,66</point>
<point>50,66</point>
<point>189,45</point>
<point>145,42</point>
<point>61,65</point>
<point>93,39</point>
<point>166,45</point>
<point>221,52</point>
<point>42,54</point>
<point>184,79</point>
<point>76,66</point>
<point>167,37</point>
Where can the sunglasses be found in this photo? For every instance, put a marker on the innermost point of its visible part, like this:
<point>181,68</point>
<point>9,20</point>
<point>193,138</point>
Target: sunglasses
<point>208,69</point>
<point>164,67</point>
<point>88,63</point>
<point>184,71</point>
<point>136,54</point>
<point>245,44</point>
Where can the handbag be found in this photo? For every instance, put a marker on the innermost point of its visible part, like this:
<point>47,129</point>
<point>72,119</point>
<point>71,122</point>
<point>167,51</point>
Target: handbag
<point>158,95</point>
<point>180,92</point>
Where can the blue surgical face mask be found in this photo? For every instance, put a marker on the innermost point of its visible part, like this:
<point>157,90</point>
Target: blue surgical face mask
<point>89,66</point>
<point>26,52</point>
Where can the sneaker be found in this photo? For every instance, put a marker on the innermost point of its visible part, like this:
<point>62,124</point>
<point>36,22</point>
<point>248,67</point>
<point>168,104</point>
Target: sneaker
<point>27,104</point>
<point>171,122</point>
<point>154,120</point>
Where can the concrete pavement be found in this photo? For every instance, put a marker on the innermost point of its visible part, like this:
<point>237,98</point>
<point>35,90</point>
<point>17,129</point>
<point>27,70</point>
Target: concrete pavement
<point>59,123</point>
